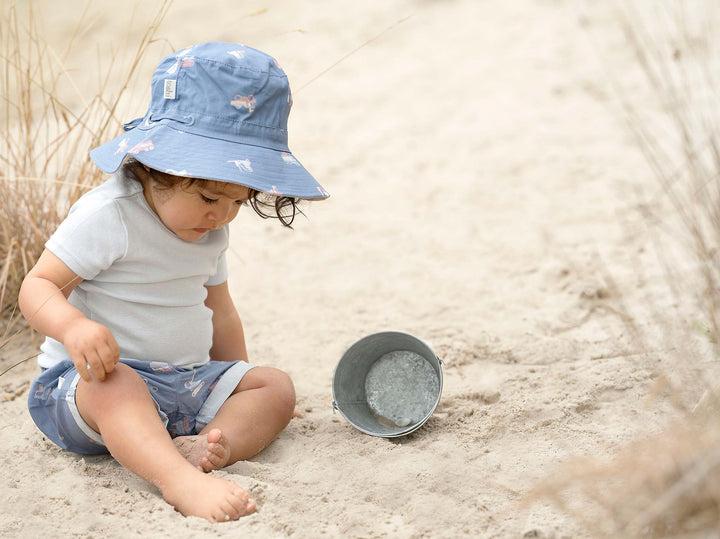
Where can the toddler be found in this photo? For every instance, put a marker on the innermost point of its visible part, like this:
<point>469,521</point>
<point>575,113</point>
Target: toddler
<point>144,355</point>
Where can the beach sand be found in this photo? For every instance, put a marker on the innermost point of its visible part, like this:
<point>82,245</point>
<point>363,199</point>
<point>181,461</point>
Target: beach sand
<point>483,187</point>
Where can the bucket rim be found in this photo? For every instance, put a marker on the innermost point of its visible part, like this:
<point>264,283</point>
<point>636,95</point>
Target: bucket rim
<point>411,428</point>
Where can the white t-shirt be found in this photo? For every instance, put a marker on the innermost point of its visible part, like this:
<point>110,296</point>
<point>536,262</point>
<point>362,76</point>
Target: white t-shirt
<point>141,281</point>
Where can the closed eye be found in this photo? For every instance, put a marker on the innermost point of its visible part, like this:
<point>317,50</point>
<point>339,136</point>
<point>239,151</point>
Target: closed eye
<point>208,200</point>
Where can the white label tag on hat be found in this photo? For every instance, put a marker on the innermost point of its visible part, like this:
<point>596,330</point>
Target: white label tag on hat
<point>169,89</point>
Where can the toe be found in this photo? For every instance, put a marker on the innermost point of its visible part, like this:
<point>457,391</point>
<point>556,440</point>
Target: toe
<point>216,454</point>
<point>231,512</point>
<point>243,502</point>
<point>250,506</point>
<point>214,436</point>
<point>205,465</point>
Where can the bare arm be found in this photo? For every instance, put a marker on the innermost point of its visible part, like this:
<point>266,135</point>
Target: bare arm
<point>228,336</point>
<point>43,302</point>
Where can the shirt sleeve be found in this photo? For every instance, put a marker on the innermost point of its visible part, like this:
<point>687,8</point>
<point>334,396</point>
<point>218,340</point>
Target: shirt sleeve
<point>90,239</point>
<point>221,274</point>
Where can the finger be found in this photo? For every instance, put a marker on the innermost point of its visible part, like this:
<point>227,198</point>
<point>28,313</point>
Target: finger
<point>112,345</point>
<point>96,365</point>
<point>114,349</point>
<point>107,358</point>
<point>81,365</point>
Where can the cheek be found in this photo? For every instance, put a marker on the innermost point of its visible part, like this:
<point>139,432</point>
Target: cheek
<point>175,214</point>
<point>182,216</point>
<point>233,213</point>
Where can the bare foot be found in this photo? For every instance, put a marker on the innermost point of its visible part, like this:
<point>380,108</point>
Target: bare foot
<point>206,496</point>
<point>207,452</point>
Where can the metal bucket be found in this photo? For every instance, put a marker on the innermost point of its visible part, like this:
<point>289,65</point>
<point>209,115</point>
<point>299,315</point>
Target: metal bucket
<point>387,384</point>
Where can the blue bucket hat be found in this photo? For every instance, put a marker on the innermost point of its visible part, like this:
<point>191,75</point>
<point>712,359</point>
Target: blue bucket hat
<point>218,111</point>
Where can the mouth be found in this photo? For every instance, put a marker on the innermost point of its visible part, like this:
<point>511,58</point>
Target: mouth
<point>202,230</point>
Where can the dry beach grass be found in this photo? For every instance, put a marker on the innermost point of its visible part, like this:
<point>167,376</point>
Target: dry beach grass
<point>44,141</point>
<point>486,196</point>
<point>667,485</point>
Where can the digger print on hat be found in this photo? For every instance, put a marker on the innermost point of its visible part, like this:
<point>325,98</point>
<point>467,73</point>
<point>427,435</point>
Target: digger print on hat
<point>218,111</point>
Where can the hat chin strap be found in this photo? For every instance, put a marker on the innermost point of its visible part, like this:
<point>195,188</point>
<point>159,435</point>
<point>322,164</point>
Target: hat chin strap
<point>131,125</point>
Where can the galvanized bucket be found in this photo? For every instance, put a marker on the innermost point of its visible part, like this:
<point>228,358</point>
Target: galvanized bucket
<point>387,384</point>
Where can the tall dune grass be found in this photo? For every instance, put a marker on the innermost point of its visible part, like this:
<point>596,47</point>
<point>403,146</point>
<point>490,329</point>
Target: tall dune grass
<point>44,142</point>
<point>669,485</point>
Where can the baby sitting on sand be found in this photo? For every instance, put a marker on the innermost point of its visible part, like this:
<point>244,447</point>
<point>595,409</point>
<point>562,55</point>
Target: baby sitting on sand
<point>145,354</point>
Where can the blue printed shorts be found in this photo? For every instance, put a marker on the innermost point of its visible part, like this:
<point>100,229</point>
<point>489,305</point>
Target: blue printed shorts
<point>186,399</point>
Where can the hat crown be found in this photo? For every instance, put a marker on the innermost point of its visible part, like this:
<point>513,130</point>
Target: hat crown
<point>218,111</point>
<point>229,91</point>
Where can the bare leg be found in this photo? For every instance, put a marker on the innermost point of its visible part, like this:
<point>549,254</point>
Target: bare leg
<point>122,411</point>
<point>255,413</point>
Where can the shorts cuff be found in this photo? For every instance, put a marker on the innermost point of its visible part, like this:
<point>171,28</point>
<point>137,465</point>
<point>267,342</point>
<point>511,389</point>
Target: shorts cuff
<point>79,421</point>
<point>223,389</point>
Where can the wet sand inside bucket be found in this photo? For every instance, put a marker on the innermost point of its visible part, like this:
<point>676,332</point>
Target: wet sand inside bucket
<point>401,388</point>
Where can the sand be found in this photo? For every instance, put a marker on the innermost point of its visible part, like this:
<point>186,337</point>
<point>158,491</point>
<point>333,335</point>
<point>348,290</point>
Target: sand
<point>483,187</point>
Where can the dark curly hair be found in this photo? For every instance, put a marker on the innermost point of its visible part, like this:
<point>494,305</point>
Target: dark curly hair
<point>266,205</point>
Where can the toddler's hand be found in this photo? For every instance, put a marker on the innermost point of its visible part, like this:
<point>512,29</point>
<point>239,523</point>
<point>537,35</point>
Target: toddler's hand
<point>91,344</point>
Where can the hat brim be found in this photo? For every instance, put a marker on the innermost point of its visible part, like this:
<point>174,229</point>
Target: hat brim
<point>183,153</point>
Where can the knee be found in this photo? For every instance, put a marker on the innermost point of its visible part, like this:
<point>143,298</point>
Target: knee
<point>96,400</point>
<point>121,383</point>
<point>281,390</point>
<point>285,394</point>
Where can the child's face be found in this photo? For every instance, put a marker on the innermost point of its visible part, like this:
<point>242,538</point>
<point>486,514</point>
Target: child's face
<point>191,211</point>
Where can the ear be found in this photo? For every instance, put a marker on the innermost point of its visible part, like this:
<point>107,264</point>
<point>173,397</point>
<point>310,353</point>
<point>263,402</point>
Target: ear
<point>142,173</point>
